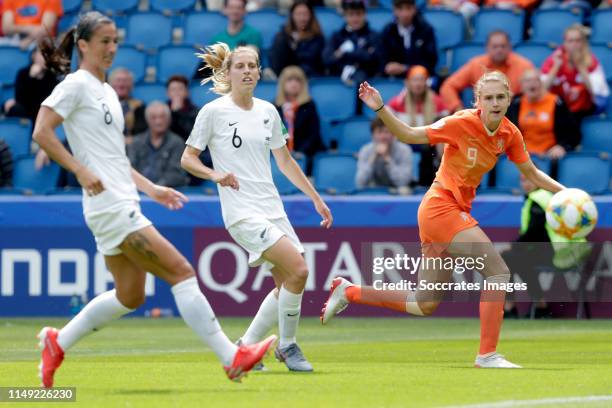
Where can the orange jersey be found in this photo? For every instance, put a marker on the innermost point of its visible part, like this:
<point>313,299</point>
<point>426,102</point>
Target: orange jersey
<point>471,151</point>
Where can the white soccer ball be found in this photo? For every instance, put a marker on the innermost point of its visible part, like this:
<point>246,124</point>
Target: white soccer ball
<point>571,213</point>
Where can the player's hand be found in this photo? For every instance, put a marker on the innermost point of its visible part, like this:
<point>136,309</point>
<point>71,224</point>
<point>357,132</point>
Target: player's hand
<point>41,160</point>
<point>89,181</point>
<point>226,180</point>
<point>324,212</point>
<point>556,152</point>
<point>370,96</point>
<point>169,197</point>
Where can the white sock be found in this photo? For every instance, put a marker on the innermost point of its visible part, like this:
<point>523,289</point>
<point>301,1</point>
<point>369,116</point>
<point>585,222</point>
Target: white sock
<point>289,306</point>
<point>265,319</point>
<point>412,306</point>
<point>197,313</point>
<point>102,309</point>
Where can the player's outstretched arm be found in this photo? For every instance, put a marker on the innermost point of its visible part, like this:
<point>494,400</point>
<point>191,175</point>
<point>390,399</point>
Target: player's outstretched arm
<point>410,135</point>
<point>191,163</point>
<point>538,177</point>
<point>44,134</point>
<point>166,196</point>
<point>289,167</point>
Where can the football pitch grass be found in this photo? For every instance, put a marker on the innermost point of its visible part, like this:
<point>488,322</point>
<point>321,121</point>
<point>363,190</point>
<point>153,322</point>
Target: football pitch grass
<point>400,362</point>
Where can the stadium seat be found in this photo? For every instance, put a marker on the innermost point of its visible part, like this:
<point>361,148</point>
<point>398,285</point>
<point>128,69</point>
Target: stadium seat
<point>508,175</point>
<point>379,18</point>
<point>467,98</point>
<point>10,191</point>
<point>388,88</point>
<point>587,171</point>
<point>132,59</point>
<point>71,6</point>
<point>67,21</point>
<point>334,173</point>
<point>601,26</point>
<point>172,6</point>
<point>26,177</point>
<point>282,183</point>
<point>416,161</point>
<point>266,90</point>
<point>449,27</point>
<point>12,59</point>
<point>376,191</point>
<point>353,135</point>
<point>201,27</point>
<point>488,20</point>
<point>329,20</point>
<point>148,30</point>
<point>268,22</point>
<point>61,133</point>
<point>463,53</point>
<point>549,25</point>
<point>604,55</point>
<point>176,60</point>
<point>150,92</point>
<point>201,94</point>
<point>115,6</point>
<point>17,135</point>
<point>335,101</point>
<point>534,52</point>
<point>596,135</point>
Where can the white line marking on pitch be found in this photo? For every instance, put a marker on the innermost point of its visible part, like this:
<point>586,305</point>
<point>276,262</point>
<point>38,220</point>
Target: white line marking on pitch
<point>538,402</point>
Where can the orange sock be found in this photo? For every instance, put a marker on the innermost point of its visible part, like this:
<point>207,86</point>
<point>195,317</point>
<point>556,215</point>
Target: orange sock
<point>491,319</point>
<point>366,295</point>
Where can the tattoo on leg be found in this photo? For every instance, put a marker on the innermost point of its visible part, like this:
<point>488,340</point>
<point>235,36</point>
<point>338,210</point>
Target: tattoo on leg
<point>139,243</point>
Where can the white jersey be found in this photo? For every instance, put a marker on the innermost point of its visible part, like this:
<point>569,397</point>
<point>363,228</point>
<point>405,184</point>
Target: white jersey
<point>240,142</point>
<point>93,121</point>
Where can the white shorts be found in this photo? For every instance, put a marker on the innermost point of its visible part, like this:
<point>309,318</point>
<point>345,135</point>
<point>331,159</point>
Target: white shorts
<point>111,228</point>
<point>256,235</point>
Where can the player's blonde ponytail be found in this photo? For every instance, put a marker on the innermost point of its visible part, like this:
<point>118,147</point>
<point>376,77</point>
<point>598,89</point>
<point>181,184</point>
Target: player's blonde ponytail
<point>493,76</point>
<point>218,58</point>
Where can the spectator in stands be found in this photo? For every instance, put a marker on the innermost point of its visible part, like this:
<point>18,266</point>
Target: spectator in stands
<point>122,81</point>
<point>385,162</point>
<point>418,105</point>
<point>499,57</point>
<point>467,8</point>
<point>27,21</point>
<point>6,165</point>
<point>299,42</point>
<point>575,74</point>
<point>547,125</point>
<point>156,153</point>
<point>237,31</point>
<point>511,4</point>
<point>352,52</point>
<point>32,85</point>
<point>299,114</point>
<point>184,112</point>
<point>407,41</point>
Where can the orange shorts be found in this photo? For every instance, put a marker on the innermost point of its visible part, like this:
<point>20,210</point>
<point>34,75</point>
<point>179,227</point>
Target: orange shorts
<point>440,219</point>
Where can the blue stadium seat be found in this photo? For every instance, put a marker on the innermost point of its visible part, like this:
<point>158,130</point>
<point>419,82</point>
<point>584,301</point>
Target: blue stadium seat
<point>601,26</point>
<point>449,27</point>
<point>374,191</point>
<point>463,53</point>
<point>176,60</point>
<point>508,175</point>
<point>416,161</point>
<point>534,52</point>
<point>149,30</point>
<point>71,6</point>
<point>388,88</point>
<point>26,177</point>
<point>335,101</point>
<point>268,22</point>
<point>334,173</point>
<point>266,90</point>
<point>379,18</point>
<point>487,20</point>
<point>17,135</point>
<point>115,6</point>
<point>201,94</point>
<point>201,27</point>
<point>587,171</point>
<point>61,133</point>
<point>597,135</point>
<point>329,20</point>
<point>132,59</point>
<point>172,6</point>
<point>12,59</point>
<point>10,191</point>
<point>67,21</point>
<point>353,135</point>
<point>150,92</point>
<point>604,55</point>
<point>282,183</point>
<point>549,25</point>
